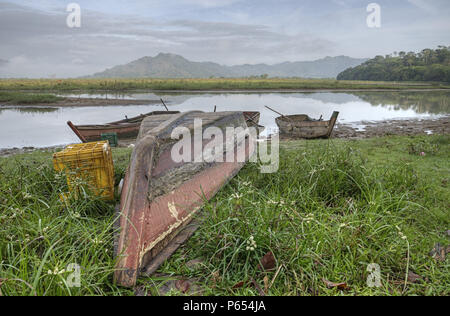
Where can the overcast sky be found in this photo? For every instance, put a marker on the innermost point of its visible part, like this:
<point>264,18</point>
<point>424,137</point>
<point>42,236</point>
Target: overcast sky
<point>36,42</point>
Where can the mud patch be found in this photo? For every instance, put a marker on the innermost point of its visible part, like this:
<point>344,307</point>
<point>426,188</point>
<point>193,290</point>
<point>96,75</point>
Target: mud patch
<point>407,127</point>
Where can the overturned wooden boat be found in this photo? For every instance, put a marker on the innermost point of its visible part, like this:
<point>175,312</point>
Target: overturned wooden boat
<point>302,126</point>
<point>161,194</point>
<point>126,129</point>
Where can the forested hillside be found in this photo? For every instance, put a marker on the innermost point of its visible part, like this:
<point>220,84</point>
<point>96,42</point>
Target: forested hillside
<point>428,65</point>
<point>175,66</point>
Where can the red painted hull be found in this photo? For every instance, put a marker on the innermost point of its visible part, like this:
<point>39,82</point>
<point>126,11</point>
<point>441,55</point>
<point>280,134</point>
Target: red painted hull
<point>156,205</point>
<point>125,129</point>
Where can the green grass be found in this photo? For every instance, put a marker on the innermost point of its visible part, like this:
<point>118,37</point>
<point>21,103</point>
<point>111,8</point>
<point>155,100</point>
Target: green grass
<point>206,84</point>
<point>28,98</point>
<point>333,208</point>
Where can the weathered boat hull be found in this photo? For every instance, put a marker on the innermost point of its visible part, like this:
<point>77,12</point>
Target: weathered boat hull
<point>301,126</point>
<point>161,196</point>
<point>125,129</point>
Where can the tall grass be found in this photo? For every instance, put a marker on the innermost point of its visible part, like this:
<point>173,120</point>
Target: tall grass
<point>28,98</point>
<point>327,214</point>
<point>41,236</point>
<point>203,84</point>
<point>333,208</point>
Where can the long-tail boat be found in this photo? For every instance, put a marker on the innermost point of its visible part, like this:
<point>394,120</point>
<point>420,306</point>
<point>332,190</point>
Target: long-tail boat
<point>126,129</point>
<point>302,126</point>
<point>161,195</point>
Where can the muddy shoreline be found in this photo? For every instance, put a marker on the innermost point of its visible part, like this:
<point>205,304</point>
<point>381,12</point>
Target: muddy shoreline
<point>401,127</point>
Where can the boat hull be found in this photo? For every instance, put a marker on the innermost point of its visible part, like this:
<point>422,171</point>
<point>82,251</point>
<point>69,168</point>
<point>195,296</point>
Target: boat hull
<point>160,196</point>
<point>125,129</point>
<point>301,126</point>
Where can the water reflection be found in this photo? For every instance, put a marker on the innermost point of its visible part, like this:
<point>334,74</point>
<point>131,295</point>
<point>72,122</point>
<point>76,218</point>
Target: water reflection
<point>433,102</point>
<point>46,126</point>
<point>30,109</point>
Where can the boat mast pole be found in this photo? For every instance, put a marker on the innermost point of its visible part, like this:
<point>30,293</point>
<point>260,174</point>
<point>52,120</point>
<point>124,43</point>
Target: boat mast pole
<point>77,132</point>
<point>164,105</point>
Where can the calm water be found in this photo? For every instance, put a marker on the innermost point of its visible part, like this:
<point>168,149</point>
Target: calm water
<point>42,127</point>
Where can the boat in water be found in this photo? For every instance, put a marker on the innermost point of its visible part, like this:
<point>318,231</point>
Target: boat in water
<point>127,128</point>
<point>302,126</point>
<point>162,194</point>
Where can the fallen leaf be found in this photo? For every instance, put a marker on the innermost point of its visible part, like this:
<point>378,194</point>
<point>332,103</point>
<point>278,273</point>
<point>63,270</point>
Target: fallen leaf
<point>331,285</point>
<point>439,252</point>
<point>194,264</point>
<point>238,285</point>
<point>268,261</point>
<point>413,277</point>
<point>183,286</point>
<point>215,276</point>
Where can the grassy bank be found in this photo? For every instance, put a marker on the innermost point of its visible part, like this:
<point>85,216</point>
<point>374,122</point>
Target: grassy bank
<point>204,84</point>
<point>333,208</point>
<point>28,98</point>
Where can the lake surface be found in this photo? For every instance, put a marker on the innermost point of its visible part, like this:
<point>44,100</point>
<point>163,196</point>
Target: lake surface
<point>46,126</point>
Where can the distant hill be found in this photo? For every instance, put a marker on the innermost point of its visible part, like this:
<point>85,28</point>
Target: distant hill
<point>175,66</point>
<point>428,65</point>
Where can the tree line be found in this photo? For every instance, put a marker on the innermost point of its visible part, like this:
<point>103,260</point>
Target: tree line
<point>427,65</point>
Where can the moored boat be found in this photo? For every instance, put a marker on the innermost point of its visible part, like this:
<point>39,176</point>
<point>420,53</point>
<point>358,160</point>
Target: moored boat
<point>161,194</point>
<point>126,129</point>
<point>302,126</point>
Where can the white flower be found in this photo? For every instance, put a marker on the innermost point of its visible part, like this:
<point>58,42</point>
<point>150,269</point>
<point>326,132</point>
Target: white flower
<point>56,271</point>
<point>97,241</point>
<point>251,244</point>
<point>236,196</point>
<point>26,195</point>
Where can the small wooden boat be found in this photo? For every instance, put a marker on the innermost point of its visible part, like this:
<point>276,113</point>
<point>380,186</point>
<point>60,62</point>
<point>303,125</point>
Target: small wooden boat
<point>252,118</point>
<point>302,126</point>
<point>125,129</point>
<point>129,127</point>
<point>161,195</point>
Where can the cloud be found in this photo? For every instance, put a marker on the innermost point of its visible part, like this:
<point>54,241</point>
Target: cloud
<point>37,42</point>
<point>211,3</point>
<point>42,45</point>
<point>431,6</point>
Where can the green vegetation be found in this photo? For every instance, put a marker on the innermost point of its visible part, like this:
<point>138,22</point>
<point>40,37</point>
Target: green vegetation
<point>428,65</point>
<point>28,98</point>
<point>54,85</point>
<point>334,207</point>
<point>435,102</point>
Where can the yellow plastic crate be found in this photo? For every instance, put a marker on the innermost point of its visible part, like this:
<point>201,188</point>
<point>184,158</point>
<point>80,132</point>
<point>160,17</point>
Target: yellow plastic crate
<point>89,162</point>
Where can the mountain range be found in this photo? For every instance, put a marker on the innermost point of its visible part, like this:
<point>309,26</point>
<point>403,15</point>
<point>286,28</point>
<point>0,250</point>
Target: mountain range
<point>175,66</point>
